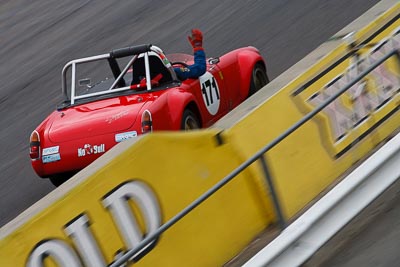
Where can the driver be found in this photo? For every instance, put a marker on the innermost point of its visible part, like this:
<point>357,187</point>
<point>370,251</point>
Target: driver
<point>199,67</point>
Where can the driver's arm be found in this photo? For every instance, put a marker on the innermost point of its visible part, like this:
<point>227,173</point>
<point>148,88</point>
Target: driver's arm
<point>199,67</point>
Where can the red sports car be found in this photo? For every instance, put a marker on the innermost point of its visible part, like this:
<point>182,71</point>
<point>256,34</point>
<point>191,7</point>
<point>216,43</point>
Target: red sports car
<point>132,91</point>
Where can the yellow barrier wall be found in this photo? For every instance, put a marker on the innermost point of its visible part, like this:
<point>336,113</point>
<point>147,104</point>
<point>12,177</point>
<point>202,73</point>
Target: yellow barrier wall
<point>176,168</point>
<point>310,159</point>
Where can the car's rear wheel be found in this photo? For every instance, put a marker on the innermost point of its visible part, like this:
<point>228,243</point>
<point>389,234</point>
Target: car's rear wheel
<point>59,179</point>
<point>259,78</point>
<point>189,121</point>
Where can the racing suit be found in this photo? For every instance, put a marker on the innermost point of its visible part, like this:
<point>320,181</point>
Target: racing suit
<point>195,70</point>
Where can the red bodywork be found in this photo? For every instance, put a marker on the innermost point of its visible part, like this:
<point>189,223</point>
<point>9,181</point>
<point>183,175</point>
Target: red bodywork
<point>71,138</point>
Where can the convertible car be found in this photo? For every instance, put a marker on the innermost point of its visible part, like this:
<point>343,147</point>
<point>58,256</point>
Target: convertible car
<point>132,91</point>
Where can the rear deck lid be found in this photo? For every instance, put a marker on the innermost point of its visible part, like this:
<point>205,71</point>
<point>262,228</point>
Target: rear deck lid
<point>95,118</point>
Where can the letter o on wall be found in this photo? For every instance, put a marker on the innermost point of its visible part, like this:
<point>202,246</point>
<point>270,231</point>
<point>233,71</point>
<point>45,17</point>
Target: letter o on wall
<point>58,250</point>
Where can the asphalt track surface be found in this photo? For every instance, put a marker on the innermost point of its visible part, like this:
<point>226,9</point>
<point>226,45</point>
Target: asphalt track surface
<point>38,37</point>
<point>371,239</point>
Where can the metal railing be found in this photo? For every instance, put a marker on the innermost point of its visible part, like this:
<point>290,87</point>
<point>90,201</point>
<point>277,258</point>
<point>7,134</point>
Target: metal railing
<point>260,155</point>
<point>311,231</point>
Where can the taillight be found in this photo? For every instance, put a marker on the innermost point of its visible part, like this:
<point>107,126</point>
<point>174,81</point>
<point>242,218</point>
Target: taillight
<point>147,124</point>
<point>34,146</point>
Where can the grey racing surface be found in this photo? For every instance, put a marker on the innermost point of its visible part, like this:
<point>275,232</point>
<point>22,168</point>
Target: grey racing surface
<point>372,238</point>
<point>39,37</point>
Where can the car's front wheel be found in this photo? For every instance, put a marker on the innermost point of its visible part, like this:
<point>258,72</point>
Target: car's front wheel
<point>189,121</point>
<point>259,78</point>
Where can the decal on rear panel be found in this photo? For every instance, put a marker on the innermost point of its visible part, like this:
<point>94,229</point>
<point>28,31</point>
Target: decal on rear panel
<point>50,150</point>
<point>117,116</point>
<point>210,92</point>
<point>88,149</point>
<point>51,154</point>
<point>51,158</point>
<point>125,136</point>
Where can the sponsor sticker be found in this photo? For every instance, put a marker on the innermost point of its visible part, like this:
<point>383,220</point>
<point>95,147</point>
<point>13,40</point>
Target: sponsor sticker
<point>88,149</point>
<point>125,136</point>
<point>51,158</point>
<point>50,150</point>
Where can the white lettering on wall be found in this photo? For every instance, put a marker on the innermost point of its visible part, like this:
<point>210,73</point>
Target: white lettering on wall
<point>117,202</point>
<point>55,249</point>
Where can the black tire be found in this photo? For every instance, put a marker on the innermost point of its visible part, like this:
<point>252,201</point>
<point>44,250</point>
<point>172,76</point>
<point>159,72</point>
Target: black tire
<point>189,121</point>
<point>259,78</point>
<point>59,179</point>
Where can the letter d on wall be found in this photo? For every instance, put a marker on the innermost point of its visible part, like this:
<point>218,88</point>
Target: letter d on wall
<point>143,196</point>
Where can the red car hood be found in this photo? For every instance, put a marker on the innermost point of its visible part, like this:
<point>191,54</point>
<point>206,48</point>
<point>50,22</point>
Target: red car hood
<point>95,118</point>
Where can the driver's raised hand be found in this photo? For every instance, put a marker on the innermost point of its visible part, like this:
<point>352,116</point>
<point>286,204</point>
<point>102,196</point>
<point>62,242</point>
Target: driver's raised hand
<point>196,39</point>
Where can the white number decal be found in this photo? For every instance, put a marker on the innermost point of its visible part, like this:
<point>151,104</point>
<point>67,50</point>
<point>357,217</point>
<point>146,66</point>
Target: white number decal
<point>210,92</point>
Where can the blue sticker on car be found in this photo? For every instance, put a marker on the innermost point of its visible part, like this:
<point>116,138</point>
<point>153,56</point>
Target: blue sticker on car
<point>50,150</point>
<point>125,136</point>
<point>51,158</point>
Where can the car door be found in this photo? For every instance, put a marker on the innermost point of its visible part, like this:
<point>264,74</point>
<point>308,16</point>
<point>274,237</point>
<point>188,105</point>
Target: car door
<point>213,94</point>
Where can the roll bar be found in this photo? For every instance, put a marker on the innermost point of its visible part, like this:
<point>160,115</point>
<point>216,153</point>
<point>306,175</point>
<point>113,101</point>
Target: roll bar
<point>130,51</point>
<point>134,51</point>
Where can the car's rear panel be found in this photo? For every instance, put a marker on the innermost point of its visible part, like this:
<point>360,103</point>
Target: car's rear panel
<point>71,155</point>
<point>73,138</point>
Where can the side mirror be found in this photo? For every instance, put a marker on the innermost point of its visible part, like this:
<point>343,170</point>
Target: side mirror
<point>213,61</point>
